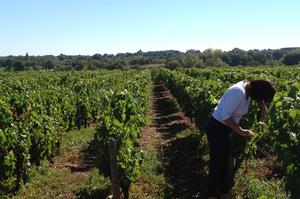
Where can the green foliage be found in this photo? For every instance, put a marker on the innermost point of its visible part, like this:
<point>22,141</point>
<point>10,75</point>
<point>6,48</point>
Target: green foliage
<point>285,127</point>
<point>153,179</point>
<point>37,108</point>
<point>292,58</point>
<point>96,187</point>
<point>171,58</point>
<point>248,185</point>
<point>48,181</point>
<point>123,118</point>
<point>198,91</point>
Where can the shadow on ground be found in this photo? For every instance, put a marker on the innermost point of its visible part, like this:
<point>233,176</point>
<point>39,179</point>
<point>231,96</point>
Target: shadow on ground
<point>186,167</point>
<point>97,186</point>
<point>89,156</point>
<point>168,121</point>
<point>184,157</point>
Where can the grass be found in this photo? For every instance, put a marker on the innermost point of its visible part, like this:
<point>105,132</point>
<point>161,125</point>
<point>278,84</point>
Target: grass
<point>250,182</point>
<point>96,187</point>
<point>47,182</point>
<point>152,181</point>
<point>77,139</point>
<point>75,142</point>
<point>185,175</point>
<point>61,181</point>
<point>177,171</point>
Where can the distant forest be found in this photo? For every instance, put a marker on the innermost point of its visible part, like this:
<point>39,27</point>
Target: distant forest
<point>168,58</point>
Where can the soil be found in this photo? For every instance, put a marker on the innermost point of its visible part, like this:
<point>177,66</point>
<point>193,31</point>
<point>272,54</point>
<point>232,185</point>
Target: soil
<point>167,119</point>
<point>80,163</point>
<point>183,164</point>
<point>182,157</point>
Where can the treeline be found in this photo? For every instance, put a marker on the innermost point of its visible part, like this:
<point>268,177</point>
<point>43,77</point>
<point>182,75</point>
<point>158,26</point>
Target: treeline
<point>169,58</point>
<point>236,57</point>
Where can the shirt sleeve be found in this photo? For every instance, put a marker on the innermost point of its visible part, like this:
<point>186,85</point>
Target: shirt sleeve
<point>233,100</point>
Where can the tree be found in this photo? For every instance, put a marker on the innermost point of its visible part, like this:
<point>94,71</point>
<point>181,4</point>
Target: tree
<point>292,58</point>
<point>191,60</point>
<point>172,63</point>
<point>238,57</point>
<point>206,54</point>
<point>48,64</point>
<point>277,54</point>
<point>27,58</point>
<point>140,52</point>
<point>120,64</point>
<point>18,66</point>
<point>97,57</point>
<point>256,57</point>
<point>8,63</point>
<point>81,64</point>
<point>215,62</point>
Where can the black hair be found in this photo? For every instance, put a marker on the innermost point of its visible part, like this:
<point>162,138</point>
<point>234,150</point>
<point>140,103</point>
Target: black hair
<point>262,90</point>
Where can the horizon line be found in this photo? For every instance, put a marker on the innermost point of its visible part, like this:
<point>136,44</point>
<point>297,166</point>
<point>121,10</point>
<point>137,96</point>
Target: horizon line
<point>145,51</point>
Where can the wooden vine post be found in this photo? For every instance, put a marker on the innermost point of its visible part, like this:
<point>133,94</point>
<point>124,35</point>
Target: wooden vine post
<point>114,168</point>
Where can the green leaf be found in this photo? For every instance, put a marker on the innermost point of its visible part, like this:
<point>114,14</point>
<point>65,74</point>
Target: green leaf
<point>117,123</point>
<point>278,104</point>
<point>294,113</point>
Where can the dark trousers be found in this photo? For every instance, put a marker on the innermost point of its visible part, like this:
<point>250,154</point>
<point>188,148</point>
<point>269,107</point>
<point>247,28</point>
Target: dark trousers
<point>219,148</point>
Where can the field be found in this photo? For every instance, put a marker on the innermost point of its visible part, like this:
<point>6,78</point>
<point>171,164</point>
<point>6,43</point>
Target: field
<point>55,128</point>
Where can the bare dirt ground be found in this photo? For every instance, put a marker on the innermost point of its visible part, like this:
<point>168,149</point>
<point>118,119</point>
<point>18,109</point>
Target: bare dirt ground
<point>180,153</point>
<point>183,164</point>
<point>166,119</point>
<point>78,163</point>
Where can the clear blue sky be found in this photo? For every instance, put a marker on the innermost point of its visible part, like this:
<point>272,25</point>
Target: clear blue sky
<point>87,27</point>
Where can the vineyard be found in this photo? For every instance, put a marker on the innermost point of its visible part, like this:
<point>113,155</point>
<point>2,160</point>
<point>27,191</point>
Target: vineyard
<point>198,91</point>
<point>38,108</point>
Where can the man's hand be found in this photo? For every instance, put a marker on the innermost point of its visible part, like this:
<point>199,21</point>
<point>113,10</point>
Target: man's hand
<point>235,127</point>
<point>247,133</point>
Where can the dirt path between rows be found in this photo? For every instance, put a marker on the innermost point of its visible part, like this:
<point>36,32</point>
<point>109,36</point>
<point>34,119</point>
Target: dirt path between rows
<point>167,119</point>
<point>171,132</point>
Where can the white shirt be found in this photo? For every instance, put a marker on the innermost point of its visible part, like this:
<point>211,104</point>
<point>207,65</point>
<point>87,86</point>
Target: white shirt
<point>233,103</point>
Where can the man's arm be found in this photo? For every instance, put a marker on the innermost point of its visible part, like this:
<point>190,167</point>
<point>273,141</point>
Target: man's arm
<point>236,128</point>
